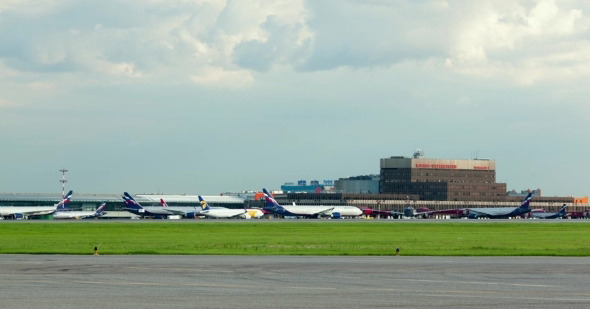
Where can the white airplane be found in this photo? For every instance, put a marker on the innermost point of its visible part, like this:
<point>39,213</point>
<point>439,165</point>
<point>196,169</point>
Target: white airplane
<point>62,213</point>
<point>25,211</point>
<point>226,212</point>
<point>132,206</point>
<point>185,211</point>
<point>549,215</point>
<point>309,211</point>
<point>499,212</point>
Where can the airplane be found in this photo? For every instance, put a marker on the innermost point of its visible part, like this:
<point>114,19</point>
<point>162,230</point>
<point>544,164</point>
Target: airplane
<point>62,213</point>
<point>309,211</point>
<point>339,211</point>
<point>25,211</point>
<point>499,212</point>
<point>208,211</point>
<point>549,215</point>
<point>132,206</point>
<point>409,212</point>
<point>185,211</point>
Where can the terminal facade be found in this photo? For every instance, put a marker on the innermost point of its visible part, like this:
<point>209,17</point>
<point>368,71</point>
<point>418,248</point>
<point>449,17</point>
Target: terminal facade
<point>440,179</point>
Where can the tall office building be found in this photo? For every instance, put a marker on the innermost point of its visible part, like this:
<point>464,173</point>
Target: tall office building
<point>441,179</point>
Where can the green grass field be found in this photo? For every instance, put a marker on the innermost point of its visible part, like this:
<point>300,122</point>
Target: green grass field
<point>298,238</point>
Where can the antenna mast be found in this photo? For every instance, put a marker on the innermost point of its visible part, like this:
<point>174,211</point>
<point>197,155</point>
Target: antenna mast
<point>63,182</point>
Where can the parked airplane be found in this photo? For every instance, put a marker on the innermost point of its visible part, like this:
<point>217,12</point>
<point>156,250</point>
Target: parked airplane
<point>499,212</point>
<point>62,213</point>
<point>339,211</point>
<point>134,207</point>
<point>549,215</point>
<point>25,211</point>
<point>185,211</point>
<point>208,211</point>
<point>309,211</point>
<point>410,213</point>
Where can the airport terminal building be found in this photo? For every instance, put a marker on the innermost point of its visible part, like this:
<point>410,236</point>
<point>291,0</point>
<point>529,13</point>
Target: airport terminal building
<point>441,179</point>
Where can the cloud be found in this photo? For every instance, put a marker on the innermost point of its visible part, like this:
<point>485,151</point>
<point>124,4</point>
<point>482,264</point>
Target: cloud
<point>369,34</point>
<point>519,41</point>
<point>228,43</point>
<point>6,103</point>
<point>198,41</point>
<point>214,76</point>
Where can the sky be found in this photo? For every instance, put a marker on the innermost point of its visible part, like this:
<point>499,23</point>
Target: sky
<point>205,97</point>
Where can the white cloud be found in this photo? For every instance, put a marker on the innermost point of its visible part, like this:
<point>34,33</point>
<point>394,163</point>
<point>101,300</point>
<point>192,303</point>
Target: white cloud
<point>218,42</point>
<point>6,102</point>
<point>215,76</point>
<point>508,39</point>
<point>194,40</point>
<point>41,85</point>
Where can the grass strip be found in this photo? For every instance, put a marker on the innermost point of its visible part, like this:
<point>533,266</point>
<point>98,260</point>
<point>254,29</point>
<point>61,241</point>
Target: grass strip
<point>297,238</point>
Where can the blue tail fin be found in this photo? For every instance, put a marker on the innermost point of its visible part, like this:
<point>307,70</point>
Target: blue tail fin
<point>526,203</point>
<point>130,202</point>
<point>204,205</point>
<point>270,201</point>
<point>562,210</point>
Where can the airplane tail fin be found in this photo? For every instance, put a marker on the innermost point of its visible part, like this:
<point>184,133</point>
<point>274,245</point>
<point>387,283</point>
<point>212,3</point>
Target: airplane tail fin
<point>100,210</point>
<point>562,210</point>
<point>64,202</point>
<point>526,203</point>
<point>163,203</point>
<point>204,205</point>
<point>130,201</point>
<point>270,201</point>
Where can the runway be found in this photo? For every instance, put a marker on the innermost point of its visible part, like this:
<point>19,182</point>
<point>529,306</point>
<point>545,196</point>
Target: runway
<point>63,281</point>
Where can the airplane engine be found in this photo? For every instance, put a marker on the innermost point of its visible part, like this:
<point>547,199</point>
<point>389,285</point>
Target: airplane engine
<point>472,216</point>
<point>409,212</point>
<point>425,211</point>
<point>245,216</point>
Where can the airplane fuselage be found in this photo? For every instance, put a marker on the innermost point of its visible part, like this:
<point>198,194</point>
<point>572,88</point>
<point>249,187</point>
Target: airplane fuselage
<point>28,211</point>
<point>223,213</point>
<point>316,211</point>
<point>500,212</point>
<point>73,214</point>
<point>547,215</point>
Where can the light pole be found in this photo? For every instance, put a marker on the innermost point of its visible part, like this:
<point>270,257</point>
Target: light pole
<point>63,182</point>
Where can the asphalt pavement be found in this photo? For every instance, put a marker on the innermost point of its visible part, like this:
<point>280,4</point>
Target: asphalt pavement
<point>159,281</point>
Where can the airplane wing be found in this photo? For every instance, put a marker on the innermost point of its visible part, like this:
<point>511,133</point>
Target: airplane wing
<point>322,212</point>
<point>489,212</point>
<point>326,212</point>
<point>177,211</point>
<point>480,212</point>
<point>244,213</point>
